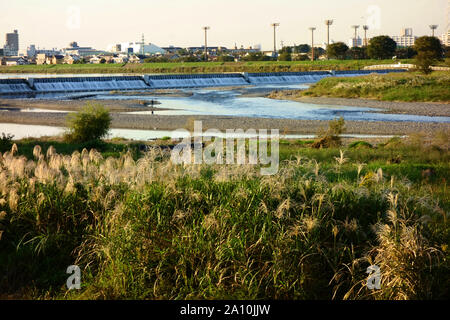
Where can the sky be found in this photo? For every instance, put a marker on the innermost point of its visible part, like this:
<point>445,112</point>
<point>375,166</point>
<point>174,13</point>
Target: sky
<point>98,23</point>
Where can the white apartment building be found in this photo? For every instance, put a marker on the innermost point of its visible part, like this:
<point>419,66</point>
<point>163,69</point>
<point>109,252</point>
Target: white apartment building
<point>445,38</point>
<point>407,39</point>
<point>355,42</point>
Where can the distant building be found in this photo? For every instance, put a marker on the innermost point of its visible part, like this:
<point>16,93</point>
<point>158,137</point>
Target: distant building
<point>71,59</point>
<point>74,49</point>
<point>172,49</point>
<point>445,38</point>
<point>11,47</point>
<point>136,48</point>
<point>14,61</point>
<point>41,58</point>
<point>355,42</point>
<point>135,59</point>
<point>56,59</point>
<point>31,51</point>
<point>406,39</point>
<point>95,60</point>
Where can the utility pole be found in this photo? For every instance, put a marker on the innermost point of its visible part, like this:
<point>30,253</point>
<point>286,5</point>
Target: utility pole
<point>206,42</point>
<point>275,25</point>
<point>365,35</point>
<point>355,42</point>
<point>433,27</point>
<point>312,42</point>
<point>328,23</point>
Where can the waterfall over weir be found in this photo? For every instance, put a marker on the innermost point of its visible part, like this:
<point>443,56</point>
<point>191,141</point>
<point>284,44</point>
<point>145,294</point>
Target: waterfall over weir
<point>10,86</point>
<point>287,77</point>
<point>77,84</point>
<point>109,83</point>
<point>195,80</point>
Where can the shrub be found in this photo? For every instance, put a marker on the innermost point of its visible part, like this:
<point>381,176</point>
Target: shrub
<point>360,144</point>
<point>6,142</point>
<point>90,124</point>
<point>331,137</point>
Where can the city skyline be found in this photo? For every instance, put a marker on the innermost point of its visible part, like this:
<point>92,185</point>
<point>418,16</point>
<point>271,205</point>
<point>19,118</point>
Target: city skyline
<point>98,23</point>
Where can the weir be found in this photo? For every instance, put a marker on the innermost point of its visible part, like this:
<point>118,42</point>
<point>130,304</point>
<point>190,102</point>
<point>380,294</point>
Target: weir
<point>11,86</point>
<point>109,83</point>
<point>287,77</point>
<point>195,80</point>
<point>81,84</point>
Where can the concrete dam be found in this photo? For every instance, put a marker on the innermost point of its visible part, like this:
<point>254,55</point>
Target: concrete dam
<point>108,83</point>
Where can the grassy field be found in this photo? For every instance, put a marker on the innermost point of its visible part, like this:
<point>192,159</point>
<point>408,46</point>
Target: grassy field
<point>143,228</point>
<point>198,67</point>
<point>391,87</point>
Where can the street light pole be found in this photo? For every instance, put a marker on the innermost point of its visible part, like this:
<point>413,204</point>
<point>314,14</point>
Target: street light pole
<point>328,23</point>
<point>365,35</point>
<point>275,25</point>
<point>206,42</point>
<point>312,42</point>
<point>433,27</point>
<point>355,42</point>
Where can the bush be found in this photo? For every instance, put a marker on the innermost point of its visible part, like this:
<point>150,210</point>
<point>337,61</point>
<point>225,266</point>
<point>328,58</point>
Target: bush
<point>424,61</point>
<point>90,124</point>
<point>331,137</point>
<point>6,142</point>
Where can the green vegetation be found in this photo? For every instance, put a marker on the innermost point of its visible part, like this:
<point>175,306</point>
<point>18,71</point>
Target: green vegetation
<point>143,228</point>
<point>429,51</point>
<point>91,123</point>
<point>197,67</point>
<point>332,136</point>
<point>5,142</point>
<point>337,50</point>
<point>381,47</point>
<point>390,87</point>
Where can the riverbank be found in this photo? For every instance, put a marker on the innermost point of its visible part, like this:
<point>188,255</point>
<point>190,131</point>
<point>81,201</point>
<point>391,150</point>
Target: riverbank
<point>197,67</point>
<point>404,87</point>
<point>134,221</point>
<point>396,107</point>
<point>286,126</point>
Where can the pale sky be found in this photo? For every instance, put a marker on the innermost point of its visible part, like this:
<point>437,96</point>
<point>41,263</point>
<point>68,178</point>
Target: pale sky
<point>55,23</point>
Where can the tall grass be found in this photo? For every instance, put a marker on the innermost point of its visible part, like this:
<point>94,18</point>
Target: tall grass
<point>392,87</point>
<point>147,229</point>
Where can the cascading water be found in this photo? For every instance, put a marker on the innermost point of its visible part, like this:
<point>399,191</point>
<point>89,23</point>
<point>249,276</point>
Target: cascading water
<point>287,77</point>
<point>108,83</point>
<point>89,84</point>
<point>14,86</point>
<point>195,81</point>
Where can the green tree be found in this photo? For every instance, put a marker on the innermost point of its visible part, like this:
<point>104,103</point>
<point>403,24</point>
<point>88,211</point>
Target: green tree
<point>357,53</point>
<point>91,123</point>
<point>382,47</point>
<point>429,51</point>
<point>337,50</point>
<point>431,45</point>
<point>225,58</point>
<point>405,53</point>
<point>285,56</point>
<point>302,48</point>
